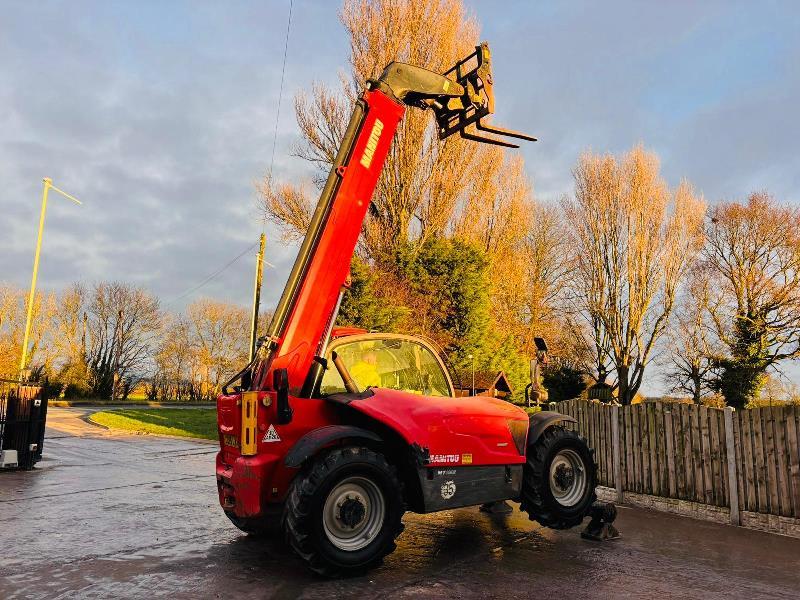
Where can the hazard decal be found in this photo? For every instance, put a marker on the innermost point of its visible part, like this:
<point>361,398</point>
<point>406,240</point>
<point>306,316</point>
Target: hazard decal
<point>271,435</point>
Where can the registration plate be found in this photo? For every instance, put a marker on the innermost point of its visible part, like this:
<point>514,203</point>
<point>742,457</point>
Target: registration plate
<point>230,440</point>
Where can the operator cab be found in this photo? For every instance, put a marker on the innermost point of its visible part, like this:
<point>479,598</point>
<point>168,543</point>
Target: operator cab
<point>385,360</point>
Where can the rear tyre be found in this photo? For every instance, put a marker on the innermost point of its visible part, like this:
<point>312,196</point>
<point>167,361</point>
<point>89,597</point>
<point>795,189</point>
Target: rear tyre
<point>344,512</point>
<point>559,479</point>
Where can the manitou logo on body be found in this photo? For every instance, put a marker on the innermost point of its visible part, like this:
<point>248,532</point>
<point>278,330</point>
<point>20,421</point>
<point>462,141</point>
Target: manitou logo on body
<point>448,459</point>
<point>271,435</point>
<point>372,144</point>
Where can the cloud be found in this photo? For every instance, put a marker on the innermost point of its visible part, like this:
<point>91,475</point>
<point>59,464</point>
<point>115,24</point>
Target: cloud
<point>709,86</point>
<point>161,121</point>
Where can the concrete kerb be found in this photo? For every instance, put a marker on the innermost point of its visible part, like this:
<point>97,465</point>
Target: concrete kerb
<point>705,512</point>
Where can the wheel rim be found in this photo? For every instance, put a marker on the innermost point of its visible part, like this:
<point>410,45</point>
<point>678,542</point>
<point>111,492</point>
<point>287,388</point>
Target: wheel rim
<point>568,477</point>
<point>353,513</point>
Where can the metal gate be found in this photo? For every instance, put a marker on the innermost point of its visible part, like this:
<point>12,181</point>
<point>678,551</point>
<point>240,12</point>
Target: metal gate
<point>23,412</point>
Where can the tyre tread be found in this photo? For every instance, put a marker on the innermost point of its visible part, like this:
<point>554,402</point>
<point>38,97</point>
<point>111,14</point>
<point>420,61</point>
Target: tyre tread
<point>533,499</point>
<point>297,518</point>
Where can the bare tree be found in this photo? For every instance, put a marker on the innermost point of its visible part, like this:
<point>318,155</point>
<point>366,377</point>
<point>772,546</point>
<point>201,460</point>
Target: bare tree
<point>13,312</point>
<point>218,337</point>
<point>425,179</point>
<point>10,341</point>
<point>70,332</point>
<point>526,247</point>
<point>546,266</point>
<point>635,240</point>
<point>124,322</point>
<point>691,347</point>
<point>752,260</point>
<point>175,361</point>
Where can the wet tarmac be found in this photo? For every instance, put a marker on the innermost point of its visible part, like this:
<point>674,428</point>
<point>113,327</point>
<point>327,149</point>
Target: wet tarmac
<point>109,515</point>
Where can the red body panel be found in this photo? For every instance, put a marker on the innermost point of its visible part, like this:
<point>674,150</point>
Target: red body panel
<point>455,431</point>
<point>449,427</point>
<point>331,262</point>
<point>247,483</point>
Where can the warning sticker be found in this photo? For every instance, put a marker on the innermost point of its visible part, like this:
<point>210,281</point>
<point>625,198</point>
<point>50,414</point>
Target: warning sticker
<point>271,435</point>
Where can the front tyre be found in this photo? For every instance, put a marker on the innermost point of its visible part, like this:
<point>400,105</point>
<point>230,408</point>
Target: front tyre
<point>559,479</point>
<point>344,512</point>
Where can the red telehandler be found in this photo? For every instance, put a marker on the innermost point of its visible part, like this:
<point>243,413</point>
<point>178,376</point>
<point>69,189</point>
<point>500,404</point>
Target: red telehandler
<point>335,433</point>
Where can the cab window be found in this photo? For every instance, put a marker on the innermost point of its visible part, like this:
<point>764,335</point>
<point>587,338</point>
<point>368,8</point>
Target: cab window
<point>397,364</point>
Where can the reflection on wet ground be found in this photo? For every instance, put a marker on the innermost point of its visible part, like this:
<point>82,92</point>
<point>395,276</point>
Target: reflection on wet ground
<point>109,515</point>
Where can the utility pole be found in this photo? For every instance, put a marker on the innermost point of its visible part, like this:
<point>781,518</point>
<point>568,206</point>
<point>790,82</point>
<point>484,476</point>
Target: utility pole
<point>48,183</point>
<point>83,336</point>
<point>472,357</point>
<point>256,297</point>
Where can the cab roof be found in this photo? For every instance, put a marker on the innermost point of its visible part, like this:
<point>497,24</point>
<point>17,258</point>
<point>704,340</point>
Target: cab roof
<point>339,332</point>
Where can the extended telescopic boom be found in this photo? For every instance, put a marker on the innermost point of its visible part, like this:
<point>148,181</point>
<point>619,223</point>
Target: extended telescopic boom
<point>300,327</point>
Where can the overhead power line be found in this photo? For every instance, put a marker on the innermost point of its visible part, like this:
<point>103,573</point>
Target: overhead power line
<point>280,89</point>
<point>278,111</point>
<point>213,275</point>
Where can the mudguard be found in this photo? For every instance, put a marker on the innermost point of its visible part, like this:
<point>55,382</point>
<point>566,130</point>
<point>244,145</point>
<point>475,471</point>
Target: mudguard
<point>309,444</point>
<point>542,420</point>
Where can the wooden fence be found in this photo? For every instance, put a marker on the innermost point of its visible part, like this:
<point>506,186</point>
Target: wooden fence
<point>693,453</point>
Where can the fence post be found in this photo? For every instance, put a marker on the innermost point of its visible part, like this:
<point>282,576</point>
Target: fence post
<point>669,436</point>
<point>615,451</point>
<point>733,481</point>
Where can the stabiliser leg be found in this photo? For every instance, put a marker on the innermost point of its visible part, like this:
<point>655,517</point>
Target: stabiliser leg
<point>501,507</point>
<point>601,528</point>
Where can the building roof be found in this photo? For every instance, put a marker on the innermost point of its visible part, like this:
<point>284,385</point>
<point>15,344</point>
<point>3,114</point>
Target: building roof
<point>485,380</point>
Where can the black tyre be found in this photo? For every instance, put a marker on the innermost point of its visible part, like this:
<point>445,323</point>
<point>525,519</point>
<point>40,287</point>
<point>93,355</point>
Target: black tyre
<point>559,479</point>
<point>344,511</point>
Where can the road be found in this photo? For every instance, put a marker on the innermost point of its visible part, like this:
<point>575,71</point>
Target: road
<point>114,515</point>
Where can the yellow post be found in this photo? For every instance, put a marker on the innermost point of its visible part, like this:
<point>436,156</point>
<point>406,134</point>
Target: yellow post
<point>48,183</point>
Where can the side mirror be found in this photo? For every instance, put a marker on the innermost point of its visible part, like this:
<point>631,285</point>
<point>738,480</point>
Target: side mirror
<point>280,383</point>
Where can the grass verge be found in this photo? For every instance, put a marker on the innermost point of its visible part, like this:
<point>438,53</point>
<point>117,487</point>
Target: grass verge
<point>184,422</point>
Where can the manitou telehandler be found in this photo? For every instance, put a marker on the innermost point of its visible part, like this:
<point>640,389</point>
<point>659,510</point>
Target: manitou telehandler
<point>335,433</point>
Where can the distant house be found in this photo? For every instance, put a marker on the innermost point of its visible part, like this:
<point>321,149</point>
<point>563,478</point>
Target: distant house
<point>487,383</point>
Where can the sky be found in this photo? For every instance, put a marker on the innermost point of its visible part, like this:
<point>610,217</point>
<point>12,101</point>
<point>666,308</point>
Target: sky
<point>160,117</point>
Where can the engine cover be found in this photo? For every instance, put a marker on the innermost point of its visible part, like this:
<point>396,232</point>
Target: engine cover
<point>467,431</point>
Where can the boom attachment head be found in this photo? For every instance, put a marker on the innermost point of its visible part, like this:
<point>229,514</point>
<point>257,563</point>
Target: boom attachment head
<point>460,97</point>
